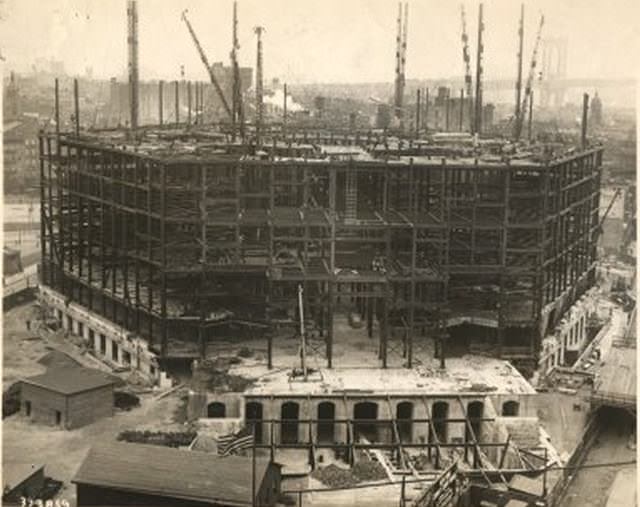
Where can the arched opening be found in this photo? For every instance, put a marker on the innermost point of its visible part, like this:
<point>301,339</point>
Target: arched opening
<point>439,413</point>
<point>510,408</point>
<point>216,409</point>
<point>326,422</point>
<point>475,411</point>
<point>365,414</point>
<point>253,416</point>
<point>404,418</point>
<point>289,414</point>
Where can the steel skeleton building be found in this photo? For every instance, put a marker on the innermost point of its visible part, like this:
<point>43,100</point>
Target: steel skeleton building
<point>180,236</point>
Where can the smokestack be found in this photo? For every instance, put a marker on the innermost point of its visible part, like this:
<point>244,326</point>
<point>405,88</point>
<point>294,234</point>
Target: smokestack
<point>585,116</point>
<point>132,40</point>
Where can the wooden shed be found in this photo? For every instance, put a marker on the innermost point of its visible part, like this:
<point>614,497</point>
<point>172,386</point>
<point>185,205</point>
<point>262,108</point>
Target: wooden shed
<point>119,473</point>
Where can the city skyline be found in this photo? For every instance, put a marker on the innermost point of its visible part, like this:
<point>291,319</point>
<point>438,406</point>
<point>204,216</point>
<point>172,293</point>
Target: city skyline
<point>361,50</point>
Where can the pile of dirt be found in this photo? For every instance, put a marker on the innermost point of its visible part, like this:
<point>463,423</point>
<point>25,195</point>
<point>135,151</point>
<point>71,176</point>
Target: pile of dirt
<point>334,476</point>
<point>363,471</point>
<point>213,375</point>
<point>165,438</point>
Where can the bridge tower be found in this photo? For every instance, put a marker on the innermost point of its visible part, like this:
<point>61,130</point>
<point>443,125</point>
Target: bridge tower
<point>554,71</point>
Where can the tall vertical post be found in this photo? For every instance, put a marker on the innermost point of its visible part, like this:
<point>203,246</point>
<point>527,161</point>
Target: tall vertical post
<point>76,106</point>
<point>237,109</point>
<point>417,112</point>
<point>132,40</point>
<point>160,101</point>
<point>518,110</point>
<point>460,127</point>
<point>57,111</point>
<point>259,105</point>
<point>447,107</point>
<point>426,109</point>
<point>189,102</point>
<point>478,111</point>
<point>284,108</point>
<point>177,101</point>
<point>530,123</point>
<point>585,117</point>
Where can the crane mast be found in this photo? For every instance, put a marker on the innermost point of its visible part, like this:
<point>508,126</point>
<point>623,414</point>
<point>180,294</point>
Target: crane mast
<point>529,85</point>
<point>237,109</point>
<point>468,84</point>
<point>259,89</point>
<point>205,61</point>
<point>518,111</point>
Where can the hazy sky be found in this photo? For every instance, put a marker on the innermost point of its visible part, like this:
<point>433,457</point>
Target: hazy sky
<point>317,40</point>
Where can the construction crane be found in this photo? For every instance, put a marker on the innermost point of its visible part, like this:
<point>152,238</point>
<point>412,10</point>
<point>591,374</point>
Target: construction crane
<point>467,62</point>
<point>401,59</point>
<point>205,61</point>
<point>617,193</point>
<point>259,86</point>
<point>518,111</point>
<point>529,85</point>
<point>237,112</point>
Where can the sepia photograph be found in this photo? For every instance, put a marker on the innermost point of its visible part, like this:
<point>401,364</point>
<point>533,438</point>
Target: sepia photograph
<point>319,253</point>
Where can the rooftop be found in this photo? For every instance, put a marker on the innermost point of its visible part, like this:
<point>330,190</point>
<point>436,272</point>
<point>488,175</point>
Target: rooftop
<point>468,375</point>
<point>71,380</point>
<point>173,473</point>
<point>16,474</point>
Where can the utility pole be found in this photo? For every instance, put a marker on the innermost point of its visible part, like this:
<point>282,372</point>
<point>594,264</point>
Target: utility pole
<point>259,92</point>
<point>518,110</point>
<point>132,40</point>
<point>478,112</point>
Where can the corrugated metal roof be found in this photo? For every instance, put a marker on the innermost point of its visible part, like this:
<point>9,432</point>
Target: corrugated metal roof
<point>170,472</point>
<point>71,380</point>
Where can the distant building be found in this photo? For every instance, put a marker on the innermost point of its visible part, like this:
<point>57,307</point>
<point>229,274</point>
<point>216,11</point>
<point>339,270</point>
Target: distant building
<point>137,474</point>
<point>596,110</point>
<point>11,109</point>
<point>67,397</point>
<point>21,154</point>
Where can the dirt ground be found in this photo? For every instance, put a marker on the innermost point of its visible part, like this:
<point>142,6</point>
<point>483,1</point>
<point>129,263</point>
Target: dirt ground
<point>62,451</point>
<point>592,487</point>
<point>21,348</point>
